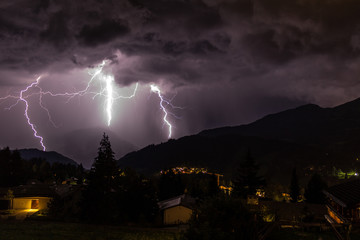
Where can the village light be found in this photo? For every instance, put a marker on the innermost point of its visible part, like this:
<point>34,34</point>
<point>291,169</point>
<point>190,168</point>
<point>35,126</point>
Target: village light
<point>32,210</point>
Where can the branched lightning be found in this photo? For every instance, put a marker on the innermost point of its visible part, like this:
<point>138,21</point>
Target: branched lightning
<point>26,112</point>
<point>156,90</point>
<point>46,110</point>
<point>107,92</point>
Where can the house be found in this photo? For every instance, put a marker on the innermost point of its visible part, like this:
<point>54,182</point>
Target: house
<point>252,200</point>
<point>343,202</point>
<point>31,196</point>
<point>177,210</point>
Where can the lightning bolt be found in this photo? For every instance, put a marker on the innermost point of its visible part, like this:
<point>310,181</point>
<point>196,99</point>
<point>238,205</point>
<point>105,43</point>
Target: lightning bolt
<point>156,90</point>
<point>109,97</point>
<point>21,97</point>
<point>107,92</point>
<point>47,111</point>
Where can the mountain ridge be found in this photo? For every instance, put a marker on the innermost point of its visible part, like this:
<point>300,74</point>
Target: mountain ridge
<point>301,137</point>
<point>49,156</point>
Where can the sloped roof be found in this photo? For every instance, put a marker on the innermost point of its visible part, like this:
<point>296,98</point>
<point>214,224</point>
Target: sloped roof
<point>31,190</point>
<point>182,200</point>
<point>346,194</point>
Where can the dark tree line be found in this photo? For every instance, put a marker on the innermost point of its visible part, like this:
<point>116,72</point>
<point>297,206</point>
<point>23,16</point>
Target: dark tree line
<point>223,218</point>
<point>115,195</point>
<point>15,171</point>
<point>121,195</point>
<point>294,187</point>
<point>226,217</point>
<point>199,185</point>
<point>247,179</point>
<point>313,191</point>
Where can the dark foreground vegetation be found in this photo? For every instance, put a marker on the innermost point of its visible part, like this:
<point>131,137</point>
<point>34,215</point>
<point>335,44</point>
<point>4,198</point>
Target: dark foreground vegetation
<point>30,230</point>
<point>109,202</point>
<point>294,234</point>
<point>14,170</point>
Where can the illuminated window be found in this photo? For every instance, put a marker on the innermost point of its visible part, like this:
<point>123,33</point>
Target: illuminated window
<point>35,204</point>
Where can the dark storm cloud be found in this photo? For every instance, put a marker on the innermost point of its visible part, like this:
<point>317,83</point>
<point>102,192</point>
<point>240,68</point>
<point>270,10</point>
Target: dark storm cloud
<point>333,23</point>
<point>245,41</point>
<point>264,32</point>
<point>106,31</point>
<point>44,35</point>
<point>309,49</point>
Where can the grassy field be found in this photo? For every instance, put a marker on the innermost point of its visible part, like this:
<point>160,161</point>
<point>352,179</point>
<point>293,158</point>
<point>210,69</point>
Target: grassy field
<point>282,234</point>
<point>36,230</point>
<point>298,235</point>
<point>40,230</point>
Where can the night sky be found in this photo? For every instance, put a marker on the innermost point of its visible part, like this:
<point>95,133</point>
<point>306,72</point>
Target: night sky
<point>224,62</point>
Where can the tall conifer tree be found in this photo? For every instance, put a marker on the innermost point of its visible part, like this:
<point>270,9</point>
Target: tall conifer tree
<point>247,180</point>
<point>99,198</point>
<point>294,187</point>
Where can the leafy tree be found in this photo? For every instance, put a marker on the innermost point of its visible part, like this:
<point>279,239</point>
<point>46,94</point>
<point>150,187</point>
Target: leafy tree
<point>137,197</point>
<point>170,185</point>
<point>196,186</point>
<point>294,186</point>
<point>246,180</point>
<point>5,155</point>
<point>80,173</point>
<point>66,207</point>
<point>13,169</point>
<point>313,191</point>
<point>10,196</point>
<point>223,218</point>
<point>212,189</point>
<point>201,185</point>
<point>60,172</point>
<point>44,171</point>
<point>17,168</point>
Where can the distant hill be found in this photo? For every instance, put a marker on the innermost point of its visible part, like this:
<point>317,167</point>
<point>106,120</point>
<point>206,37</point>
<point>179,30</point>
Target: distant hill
<point>82,144</point>
<point>51,157</point>
<point>223,154</point>
<point>336,130</point>
<point>305,137</point>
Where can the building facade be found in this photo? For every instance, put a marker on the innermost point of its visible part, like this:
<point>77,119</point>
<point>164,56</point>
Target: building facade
<point>177,210</point>
<point>343,202</point>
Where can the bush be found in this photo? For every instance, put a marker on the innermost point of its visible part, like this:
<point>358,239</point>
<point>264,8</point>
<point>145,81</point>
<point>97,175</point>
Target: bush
<point>222,218</point>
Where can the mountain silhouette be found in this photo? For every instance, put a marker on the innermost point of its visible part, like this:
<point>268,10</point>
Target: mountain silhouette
<point>50,157</point>
<point>305,137</point>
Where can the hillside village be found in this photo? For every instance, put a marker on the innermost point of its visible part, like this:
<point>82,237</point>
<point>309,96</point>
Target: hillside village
<point>34,189</point>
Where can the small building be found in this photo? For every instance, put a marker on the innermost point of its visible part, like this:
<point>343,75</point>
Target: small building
<point>252,200</point>
<point>32,196</point>
<point>70,181</point>
<point>177,210</point>
<point>343,202</point>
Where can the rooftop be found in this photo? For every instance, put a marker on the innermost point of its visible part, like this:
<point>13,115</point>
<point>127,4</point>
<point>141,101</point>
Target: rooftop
<point>30,190</point>
<point>345,194</point>
<point>182,200</point>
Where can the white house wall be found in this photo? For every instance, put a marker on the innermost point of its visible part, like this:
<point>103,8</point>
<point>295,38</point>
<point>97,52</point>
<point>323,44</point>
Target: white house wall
<point>25,203</point>
<point>21,203</point>
<point>177,215</point>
